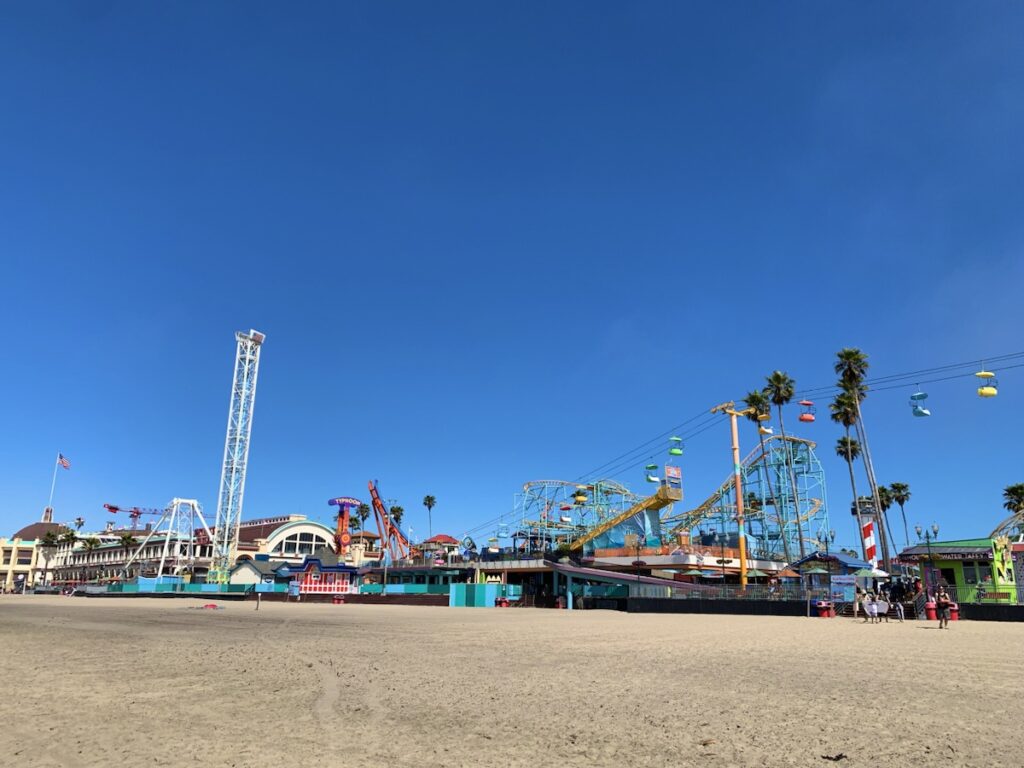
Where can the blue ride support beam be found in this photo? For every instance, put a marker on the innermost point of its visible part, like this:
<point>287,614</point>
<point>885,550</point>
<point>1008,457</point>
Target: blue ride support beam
<point>568,591</point>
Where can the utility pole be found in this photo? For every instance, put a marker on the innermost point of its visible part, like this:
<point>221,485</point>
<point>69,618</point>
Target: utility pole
<point>730,410</point>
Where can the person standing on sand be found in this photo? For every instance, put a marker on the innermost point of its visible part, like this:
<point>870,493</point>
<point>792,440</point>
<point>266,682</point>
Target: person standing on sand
<point>870,609</point>
<point>943,604</point>
<point>858,600</point>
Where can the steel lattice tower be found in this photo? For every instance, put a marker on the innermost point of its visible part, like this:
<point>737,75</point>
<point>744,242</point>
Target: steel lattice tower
<point>236,454</point>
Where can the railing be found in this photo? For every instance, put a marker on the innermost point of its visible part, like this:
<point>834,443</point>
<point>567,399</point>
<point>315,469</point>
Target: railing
<point>729,592</point>
<point>329,588</point>
<point>978,593</point>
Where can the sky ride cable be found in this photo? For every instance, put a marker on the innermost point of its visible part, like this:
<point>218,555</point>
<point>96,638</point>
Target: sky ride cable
<point>912,377</point>
<point>632,458</point>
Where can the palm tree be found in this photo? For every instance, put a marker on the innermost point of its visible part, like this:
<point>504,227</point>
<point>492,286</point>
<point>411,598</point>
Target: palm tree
<point>50,542</point>
<point>900,493</point>
<point>396,514</point>
<point>68,537</point>
<point>127,541</point>
<point>852,366</point>
<point>1013,498</point>
<point>885,499</point>
<point>1013,501</point>
<point>79,522</point>
<point>780,389</point>
<point>429,502</point>
<point>758,400</point>
<point>363,511</point>
<point>844,411</point>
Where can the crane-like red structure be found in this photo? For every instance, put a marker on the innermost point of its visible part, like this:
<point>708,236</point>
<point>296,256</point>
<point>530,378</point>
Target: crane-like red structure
<point>392,538</point>
<point>133,512</point>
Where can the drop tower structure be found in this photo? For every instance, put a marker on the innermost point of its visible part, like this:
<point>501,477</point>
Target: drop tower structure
<point>236,454</point>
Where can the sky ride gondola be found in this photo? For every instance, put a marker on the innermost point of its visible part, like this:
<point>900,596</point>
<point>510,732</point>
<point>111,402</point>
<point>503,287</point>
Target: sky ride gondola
<point>988,385</point>
<point>675,446</point>
<point>917,406</point>
<point>809,410</point>
<point>649,471</point>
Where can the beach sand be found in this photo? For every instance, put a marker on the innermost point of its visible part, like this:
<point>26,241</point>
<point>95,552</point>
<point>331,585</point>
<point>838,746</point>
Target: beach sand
<point>149,682</point>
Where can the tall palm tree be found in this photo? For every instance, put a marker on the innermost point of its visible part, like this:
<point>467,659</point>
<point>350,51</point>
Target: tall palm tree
<point>885,499</point>
<point>758,400</point>
<point>396,514</point>
<point>780,389</point>
<point>429,502</point>
<point>900,493</point>
<point>127,541</point>
<point>844,412</point>
<point>68,537</point>
<point>49,542</point>
<point>363,512</point>
<point>852,366</point>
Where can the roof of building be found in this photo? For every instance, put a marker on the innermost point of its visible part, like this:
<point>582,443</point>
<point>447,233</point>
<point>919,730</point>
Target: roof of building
<point>441,538</point>
<point>262,567</point>
<point>324,558</point>
<point>37,530</point>
<point>980,547</point>
<point>842,558</point>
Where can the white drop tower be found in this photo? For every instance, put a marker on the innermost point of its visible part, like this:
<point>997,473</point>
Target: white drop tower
<point>236,454</point>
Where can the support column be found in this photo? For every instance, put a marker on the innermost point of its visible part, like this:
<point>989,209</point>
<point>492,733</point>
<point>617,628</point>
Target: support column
<point>568,591</point>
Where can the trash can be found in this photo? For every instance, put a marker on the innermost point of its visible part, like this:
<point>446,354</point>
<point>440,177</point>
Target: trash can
<point>929,611</point>
<point>338,600</point>
<point>824,609</point>
<point>501,602</point>
<point>954,612</point>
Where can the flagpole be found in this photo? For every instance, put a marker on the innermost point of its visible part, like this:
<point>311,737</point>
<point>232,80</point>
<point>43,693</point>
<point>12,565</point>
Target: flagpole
<point>53,484</point>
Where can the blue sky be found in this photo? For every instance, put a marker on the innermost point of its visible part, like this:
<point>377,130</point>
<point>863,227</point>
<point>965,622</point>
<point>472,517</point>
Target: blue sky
<point>490,244</point>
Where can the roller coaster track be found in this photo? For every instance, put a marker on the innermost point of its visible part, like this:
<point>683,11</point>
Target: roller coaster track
<point>687,520</point>
<point>664,496</point>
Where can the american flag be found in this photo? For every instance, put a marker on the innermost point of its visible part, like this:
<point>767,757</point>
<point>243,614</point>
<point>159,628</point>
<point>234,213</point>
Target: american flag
<point>63,461</point>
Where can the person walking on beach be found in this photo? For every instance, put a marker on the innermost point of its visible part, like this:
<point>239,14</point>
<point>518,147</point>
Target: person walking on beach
<point>943,604</point>
<point>858,602</point>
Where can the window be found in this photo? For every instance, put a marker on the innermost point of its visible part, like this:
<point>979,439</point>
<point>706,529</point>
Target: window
<point>970,574</point>
<point>299,544</point>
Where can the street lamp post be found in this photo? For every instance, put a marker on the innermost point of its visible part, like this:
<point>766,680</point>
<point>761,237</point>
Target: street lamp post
<point>929,536</point>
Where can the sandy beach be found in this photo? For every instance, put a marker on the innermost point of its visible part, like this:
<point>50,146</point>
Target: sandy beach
<point>109,682</point>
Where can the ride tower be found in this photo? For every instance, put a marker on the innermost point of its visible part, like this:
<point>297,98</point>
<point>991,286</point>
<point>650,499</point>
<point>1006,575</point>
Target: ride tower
<point>236,454</point>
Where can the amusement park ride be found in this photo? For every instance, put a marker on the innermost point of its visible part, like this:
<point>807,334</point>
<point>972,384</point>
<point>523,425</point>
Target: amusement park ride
<point>134,513</point>
<point>342,533</point>
<point>393,540</point>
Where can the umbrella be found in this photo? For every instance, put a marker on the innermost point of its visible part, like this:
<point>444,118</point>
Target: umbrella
<point>788,573</point>
<point>864,573</point>
<point>692,572</point>
<point>814,570</point>
<point>754,573</point>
